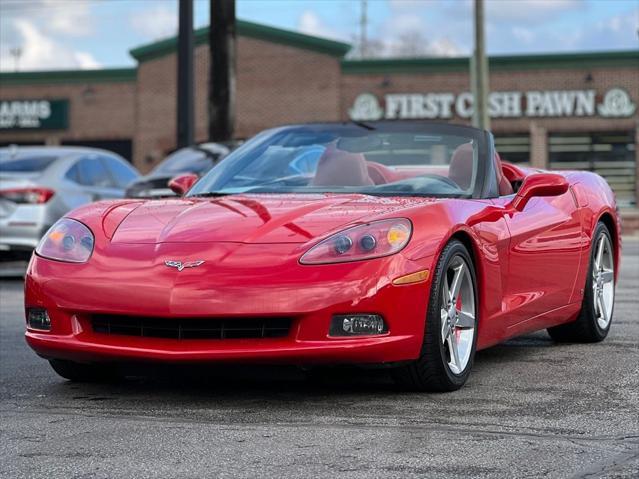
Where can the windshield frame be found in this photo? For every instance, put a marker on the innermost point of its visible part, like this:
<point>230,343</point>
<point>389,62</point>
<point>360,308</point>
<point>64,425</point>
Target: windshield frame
<point>233,164</point>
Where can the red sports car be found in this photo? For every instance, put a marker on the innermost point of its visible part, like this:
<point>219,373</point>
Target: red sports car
<point>404,244</point>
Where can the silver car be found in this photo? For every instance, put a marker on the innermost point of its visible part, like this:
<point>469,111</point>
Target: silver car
<point>197,159</point>
<point>38,185</point>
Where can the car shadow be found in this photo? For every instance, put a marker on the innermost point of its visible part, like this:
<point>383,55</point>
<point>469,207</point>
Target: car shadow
<point>243,384</point>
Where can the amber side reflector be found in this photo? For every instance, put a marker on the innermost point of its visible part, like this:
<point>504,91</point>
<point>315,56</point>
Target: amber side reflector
<point>412,278</point>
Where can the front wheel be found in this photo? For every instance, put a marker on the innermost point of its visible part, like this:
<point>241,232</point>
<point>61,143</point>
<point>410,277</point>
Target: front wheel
<point>593,323</point>
<point>450,337</point>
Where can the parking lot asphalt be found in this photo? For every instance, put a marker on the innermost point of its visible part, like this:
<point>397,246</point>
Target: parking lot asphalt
<point>531,408</point>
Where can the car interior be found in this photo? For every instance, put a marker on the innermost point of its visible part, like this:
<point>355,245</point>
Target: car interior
<point>342,168</point>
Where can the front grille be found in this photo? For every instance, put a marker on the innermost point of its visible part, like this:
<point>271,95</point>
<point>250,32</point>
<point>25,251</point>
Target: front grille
<point>191,328</point>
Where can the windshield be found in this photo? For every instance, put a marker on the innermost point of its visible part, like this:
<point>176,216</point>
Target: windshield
<point>186,160</point>
<point>378,159</point>
<point>25,164</point>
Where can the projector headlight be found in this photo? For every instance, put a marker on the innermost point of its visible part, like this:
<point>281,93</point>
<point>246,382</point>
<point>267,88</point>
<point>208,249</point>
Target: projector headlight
<point>372,240</point>
<point>67,240</point>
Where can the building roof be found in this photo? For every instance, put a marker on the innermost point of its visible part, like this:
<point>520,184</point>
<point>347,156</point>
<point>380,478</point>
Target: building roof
<point>252,30</point>
<point>624,58</point>
<point>108,75</point>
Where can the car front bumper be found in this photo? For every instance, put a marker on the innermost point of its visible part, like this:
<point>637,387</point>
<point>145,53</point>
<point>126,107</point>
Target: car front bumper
<point>309,295</point>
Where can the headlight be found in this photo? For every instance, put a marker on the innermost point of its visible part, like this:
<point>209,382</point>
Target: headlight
<point>67,240</point>
<point>372,240</point>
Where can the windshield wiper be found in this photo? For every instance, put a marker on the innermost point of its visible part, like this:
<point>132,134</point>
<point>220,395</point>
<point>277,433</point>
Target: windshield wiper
<point>361,124</point>
<point>210,194</point>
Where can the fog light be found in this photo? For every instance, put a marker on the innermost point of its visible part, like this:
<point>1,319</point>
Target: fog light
<point>37,318</point>
<point>357,325</point>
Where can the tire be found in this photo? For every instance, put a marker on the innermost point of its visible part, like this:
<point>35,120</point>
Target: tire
<point>436,369</point>
<point>84,373</point>
<point>590,326</point>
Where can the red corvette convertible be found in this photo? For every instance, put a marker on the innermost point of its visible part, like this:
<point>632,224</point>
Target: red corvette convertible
<point>404,244</point>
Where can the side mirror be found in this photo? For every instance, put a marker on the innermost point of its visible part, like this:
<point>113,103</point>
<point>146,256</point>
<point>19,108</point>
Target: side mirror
<point>182,183</point>
<point>540,184</point>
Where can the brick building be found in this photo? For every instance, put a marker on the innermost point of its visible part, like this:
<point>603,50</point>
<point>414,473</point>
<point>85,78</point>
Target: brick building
<point>555,111</point>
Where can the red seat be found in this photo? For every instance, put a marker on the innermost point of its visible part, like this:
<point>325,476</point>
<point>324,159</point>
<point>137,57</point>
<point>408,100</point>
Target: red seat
<point>513,173</point>
<point>341,168</point>
<point>461,169</point>
<point>505,188</point>
<point>461,166</point>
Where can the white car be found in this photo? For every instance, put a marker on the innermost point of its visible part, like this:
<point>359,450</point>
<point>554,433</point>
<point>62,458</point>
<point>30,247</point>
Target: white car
<point>39,184</point>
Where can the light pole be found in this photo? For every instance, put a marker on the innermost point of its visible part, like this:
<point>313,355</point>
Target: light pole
<point>222,70</point>
<point>16,53</point>
<point>185,86</point>
<point>363,25</point>
<point>479,75</point>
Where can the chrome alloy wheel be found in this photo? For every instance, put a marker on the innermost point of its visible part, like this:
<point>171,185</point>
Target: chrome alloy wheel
<point>458,315</point>
<point>603,281</point>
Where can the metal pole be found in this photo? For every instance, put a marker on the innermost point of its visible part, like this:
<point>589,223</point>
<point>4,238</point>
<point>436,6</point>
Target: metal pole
<point>363,41</point>
<point>481,118</point>
<point>222,74</point>
<point>16,53</point>
<point>473,86</point>
<point>185,87</point>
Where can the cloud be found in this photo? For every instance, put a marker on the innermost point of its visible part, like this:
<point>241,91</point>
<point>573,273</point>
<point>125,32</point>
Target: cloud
<point>311,24</point>
<point>41,52</point>
<point>71,18</point>
<point>157,22</point>
<point>524,35</point>
<point>509,11</point>
<point>618,31</point>
<point>529,11</point>
<point>86,61</point>
<point>45,32</point>
<point>512,26</point>
<point>443,47</point>
<point>407,32</point>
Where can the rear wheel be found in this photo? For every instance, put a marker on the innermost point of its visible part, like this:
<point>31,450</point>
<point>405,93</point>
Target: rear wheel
<point>85,373</point>
<point>450,336</point>
<point>593,323</point>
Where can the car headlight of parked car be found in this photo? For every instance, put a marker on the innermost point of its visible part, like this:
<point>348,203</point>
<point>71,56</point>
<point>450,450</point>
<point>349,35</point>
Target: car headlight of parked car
<point>67,240</point>
<point>367,241</point>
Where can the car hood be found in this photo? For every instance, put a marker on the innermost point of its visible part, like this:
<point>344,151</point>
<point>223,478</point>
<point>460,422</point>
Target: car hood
<point>247,218</point>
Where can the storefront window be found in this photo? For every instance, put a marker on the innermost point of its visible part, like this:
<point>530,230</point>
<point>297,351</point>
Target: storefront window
<point>611,155</point>
<point>514,148</point>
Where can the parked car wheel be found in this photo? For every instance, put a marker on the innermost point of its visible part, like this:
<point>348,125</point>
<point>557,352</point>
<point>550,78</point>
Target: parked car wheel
<point>450,338</point>
<point>594,320</point>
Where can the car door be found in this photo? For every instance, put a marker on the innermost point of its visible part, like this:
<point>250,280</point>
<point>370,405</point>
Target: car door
<point>544,255</point>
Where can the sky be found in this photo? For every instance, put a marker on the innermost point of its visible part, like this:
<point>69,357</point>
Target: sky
<point>85,34</point>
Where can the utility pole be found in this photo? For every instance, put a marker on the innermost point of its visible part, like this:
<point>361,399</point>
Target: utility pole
<point>363,27</point>
<point>16,53</point>
<point>185,87</point>
<point>222,73</point>
<point>479,75</point>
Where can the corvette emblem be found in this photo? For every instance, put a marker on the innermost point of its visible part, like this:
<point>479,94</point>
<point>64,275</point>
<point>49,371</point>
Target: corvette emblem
<point>180,266</point>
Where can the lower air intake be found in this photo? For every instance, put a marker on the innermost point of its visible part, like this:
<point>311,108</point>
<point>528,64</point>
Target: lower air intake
<point>191,328</point>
